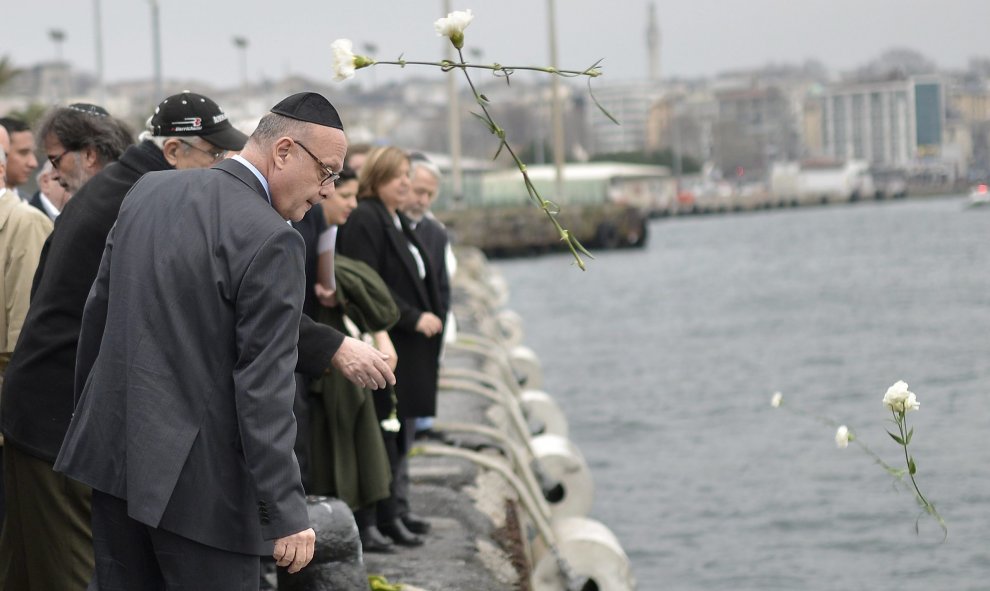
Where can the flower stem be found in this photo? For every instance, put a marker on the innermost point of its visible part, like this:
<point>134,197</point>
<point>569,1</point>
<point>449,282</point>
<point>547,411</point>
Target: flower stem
<point>545,205</point>
<point>901,419</point>
<point>448,65</point>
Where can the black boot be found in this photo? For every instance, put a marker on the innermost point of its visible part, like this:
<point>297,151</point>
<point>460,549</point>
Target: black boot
<point>415,523</point>
<point>372,540</point>
<point>399,534</point>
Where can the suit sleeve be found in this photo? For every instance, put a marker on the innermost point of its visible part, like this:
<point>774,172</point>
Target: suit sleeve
<point>268,307</point>
<point>94,320</point>
<point>30,240</point>
<point>318,343</point>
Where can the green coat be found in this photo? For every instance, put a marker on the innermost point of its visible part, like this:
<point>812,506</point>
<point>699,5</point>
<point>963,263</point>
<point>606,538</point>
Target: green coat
<point>348,457</point>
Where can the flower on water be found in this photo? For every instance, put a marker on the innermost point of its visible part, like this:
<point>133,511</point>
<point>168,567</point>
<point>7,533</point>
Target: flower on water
<point>453,26</point>
<point>899,399</point>
<point>345,62</point>
<point>842,437</point>
<point>776,400</point>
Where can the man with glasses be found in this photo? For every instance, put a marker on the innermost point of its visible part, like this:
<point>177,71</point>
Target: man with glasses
<point>37,400</point>
<point>192,326</point>
<point>79,141</point>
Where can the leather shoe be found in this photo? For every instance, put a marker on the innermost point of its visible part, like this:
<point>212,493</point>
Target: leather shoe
<point>415,523</point>
<point>372,540</point>
<point>399,534</point>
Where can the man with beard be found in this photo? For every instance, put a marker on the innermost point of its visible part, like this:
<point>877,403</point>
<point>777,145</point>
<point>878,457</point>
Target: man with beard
<point>79,141</point>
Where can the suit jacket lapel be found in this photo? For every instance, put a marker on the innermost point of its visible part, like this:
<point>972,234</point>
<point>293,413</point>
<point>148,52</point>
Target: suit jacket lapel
<point>395,237</point>
<point>243,174</point>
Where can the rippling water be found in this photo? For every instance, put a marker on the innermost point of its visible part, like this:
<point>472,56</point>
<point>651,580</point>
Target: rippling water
<point>665,360</point>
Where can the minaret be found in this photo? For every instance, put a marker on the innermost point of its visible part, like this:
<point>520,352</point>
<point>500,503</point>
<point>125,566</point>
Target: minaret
<point>653,45</point>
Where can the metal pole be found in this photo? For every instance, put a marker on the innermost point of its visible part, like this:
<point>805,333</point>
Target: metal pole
<point>241,43</point>
<point>454,124</point>
<point>156,50</point>
<point>556,112</point>
<point>101,87</point>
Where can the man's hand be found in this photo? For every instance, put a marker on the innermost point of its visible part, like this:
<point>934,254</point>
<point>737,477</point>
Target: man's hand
<point>429,324</point>
<point>295,551</point>
<point>363,365</point>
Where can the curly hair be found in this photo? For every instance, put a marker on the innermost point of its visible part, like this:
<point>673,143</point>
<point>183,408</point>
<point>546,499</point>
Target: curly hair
<point>78,130</point>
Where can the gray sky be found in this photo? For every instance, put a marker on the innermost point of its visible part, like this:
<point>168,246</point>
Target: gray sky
<point>699,37</point>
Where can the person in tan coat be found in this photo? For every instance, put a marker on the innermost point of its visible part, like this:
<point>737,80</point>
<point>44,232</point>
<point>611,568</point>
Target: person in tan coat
<point>23,231</point>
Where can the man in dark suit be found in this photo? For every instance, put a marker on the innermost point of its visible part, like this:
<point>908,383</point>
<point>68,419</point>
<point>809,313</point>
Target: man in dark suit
<point>183,425</point>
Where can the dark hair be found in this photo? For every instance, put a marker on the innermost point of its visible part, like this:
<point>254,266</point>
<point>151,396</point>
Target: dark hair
<point>14,125</point>
<point>77,130</point>
<point>346,174</point>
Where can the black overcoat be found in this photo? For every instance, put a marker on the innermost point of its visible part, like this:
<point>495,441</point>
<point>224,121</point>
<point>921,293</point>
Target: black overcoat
<point>370,235</point>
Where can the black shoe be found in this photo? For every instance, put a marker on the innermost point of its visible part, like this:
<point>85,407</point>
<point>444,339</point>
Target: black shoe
<point>372,540</point>
<point>415,523</point>
<point>399,534</point>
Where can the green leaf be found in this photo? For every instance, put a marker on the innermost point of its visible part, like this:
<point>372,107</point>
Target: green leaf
<point>484,98</point>
<point>896,438</point>
<point>910,434</point>
<point>599,105</point>
<point>486,121</point>
<point>912,468</point>
<point>499,151</point>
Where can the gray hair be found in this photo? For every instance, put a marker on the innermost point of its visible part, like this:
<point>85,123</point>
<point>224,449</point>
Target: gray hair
<point>273,126</point>
<point>45,168</point>
<point>417,163</point>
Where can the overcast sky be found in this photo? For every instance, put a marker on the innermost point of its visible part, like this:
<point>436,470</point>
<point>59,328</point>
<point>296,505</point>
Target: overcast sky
<point>699,37</point>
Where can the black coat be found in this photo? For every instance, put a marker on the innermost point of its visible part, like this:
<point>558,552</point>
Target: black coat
<point>37,392</point>
<point>433,235</point>
<point>370,236</point>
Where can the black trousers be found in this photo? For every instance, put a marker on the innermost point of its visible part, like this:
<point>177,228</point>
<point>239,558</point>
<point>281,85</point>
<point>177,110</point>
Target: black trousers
<point>131,555</point>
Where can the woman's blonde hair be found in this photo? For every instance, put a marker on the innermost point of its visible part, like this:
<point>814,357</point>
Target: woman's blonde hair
<point>383,165</point>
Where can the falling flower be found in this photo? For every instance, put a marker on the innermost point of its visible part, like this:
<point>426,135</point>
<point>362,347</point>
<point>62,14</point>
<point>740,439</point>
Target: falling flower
<point>899,399</point>
<point>776,400</point>
<point>345,61</point>
<point>842,437</point>
<point>453,26</point>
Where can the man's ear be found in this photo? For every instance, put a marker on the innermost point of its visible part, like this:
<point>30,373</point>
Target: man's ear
<point>169,150</point>
<point>91,158</point>
<point>280,151</point>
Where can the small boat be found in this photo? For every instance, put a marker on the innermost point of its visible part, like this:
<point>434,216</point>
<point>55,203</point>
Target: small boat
<point>980,195</point>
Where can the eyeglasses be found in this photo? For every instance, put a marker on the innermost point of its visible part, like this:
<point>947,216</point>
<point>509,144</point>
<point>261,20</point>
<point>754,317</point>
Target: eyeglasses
<point>331,176</point>
<point>56,159</point>
<point>216,154</point>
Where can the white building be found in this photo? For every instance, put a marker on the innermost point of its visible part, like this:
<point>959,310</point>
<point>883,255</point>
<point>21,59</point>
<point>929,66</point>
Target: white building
<point>628,102</point>
<point>892,122</point>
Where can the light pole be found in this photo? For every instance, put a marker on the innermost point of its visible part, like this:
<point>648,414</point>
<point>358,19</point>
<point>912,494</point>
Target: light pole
<point>98,36</point>
<point>454,123</point>
<point>241,43</point>
<point>556,110</point>
<point>58,38</point>
<point>156,50</point>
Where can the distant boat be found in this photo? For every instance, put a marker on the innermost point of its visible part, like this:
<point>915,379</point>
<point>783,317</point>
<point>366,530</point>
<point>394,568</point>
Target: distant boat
<point>980,195</point>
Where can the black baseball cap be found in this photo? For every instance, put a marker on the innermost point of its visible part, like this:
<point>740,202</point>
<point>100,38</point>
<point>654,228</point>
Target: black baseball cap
<point>191,114</point>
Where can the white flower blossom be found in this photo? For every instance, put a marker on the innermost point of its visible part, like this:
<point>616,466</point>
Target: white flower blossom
<point>899,399</point>
<point>391,424</point>
<point>343,59</point>
<point>842,437</point>
<point>453,26</point>
<point>776,400</point>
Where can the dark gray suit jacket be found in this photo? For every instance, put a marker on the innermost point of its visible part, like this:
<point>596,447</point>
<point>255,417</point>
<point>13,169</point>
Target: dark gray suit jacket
<point>184,373</point>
